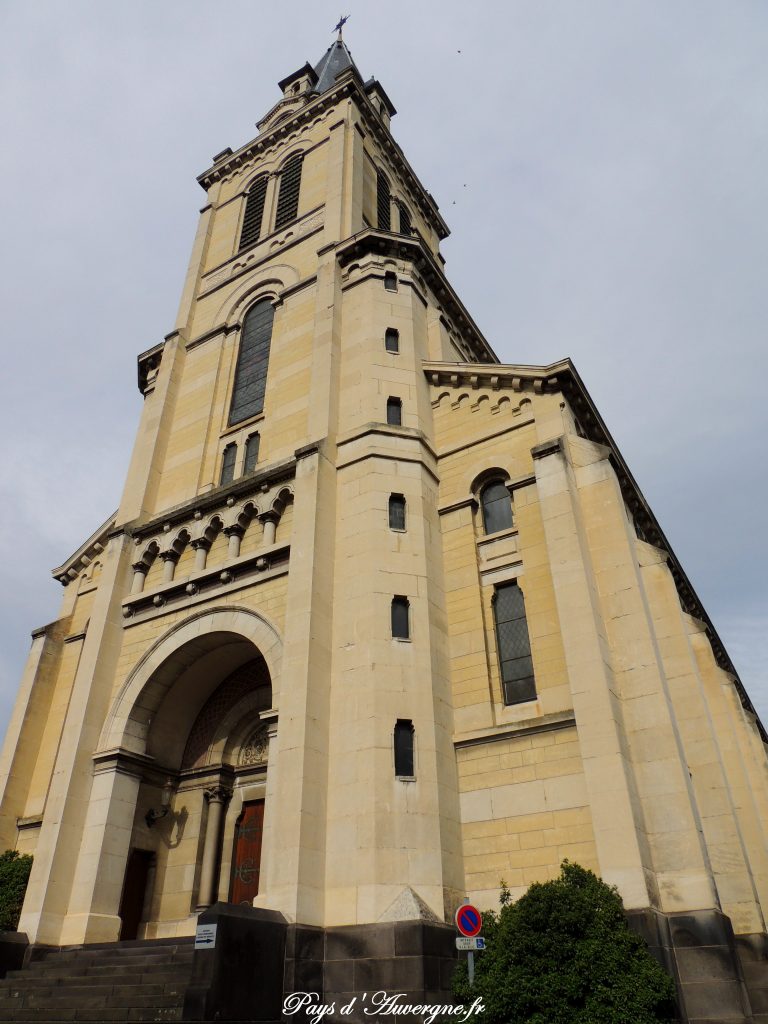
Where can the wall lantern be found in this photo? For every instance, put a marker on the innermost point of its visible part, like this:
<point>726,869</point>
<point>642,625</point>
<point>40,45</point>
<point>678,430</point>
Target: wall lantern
<point>165,805</point>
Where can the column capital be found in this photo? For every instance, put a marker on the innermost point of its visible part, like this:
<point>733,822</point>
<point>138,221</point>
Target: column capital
<point>218,794</point>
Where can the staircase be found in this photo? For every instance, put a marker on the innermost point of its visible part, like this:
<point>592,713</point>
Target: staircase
<point>117,981</point>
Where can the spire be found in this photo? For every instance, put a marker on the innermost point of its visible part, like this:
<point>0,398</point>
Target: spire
<point>336,59</point>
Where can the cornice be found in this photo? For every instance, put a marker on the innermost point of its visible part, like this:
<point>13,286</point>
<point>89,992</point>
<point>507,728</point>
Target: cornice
<point>562,376</point>
<point>85,554</point>
<point>147,365</point>
<point>497,377</point>
<point>411,249</point>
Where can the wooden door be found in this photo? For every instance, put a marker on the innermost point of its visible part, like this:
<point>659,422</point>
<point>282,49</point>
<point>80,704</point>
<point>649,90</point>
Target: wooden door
<point>134,892</point>
<point>246,862</point>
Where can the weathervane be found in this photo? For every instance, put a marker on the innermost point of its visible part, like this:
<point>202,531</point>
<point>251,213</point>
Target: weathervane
<point>342,22</point>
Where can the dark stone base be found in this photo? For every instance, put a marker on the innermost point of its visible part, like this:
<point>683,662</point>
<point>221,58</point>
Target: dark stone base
<point>259,960</point>
<point>241,977</point>
<point>702,954</point>
<point>412,959</point>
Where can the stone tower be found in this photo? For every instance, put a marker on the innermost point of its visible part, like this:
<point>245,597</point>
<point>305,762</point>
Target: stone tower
<point>379,621</point>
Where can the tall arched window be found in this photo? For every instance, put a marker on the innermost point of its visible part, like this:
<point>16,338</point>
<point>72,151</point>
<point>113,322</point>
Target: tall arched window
<point>496,504</point>
<point>513,643</point>
<point>288,195</point>
<point>252,361</point>
<point>254,213</point>
<point>383,214</point>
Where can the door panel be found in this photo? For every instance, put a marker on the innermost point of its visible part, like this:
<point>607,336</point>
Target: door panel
<point>246,862</point>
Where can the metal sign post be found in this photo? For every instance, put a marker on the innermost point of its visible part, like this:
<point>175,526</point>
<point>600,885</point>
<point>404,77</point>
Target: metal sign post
<point>469,921</point>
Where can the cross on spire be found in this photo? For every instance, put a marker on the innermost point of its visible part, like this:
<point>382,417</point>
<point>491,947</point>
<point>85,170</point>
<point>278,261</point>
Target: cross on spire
<point>342,22</point>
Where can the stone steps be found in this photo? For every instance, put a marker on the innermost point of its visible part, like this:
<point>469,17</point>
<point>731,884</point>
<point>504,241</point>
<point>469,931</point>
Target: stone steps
<point>108,982</point>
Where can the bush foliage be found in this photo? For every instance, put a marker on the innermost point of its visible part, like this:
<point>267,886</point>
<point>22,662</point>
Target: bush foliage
<point>564,954</point>
<point>14,875</point>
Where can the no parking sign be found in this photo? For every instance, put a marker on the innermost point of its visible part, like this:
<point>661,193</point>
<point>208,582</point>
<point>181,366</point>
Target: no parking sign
<point>469,920</point>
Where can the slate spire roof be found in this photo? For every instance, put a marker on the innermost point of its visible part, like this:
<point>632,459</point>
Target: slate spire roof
<point>336,59</point>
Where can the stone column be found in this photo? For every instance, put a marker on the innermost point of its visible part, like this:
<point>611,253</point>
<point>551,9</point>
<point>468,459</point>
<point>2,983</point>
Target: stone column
<point>140,570</point>
<point>235,535</point>
<point>268,854</point>
<point>217,798</point>
<point>201,546</point>
<point>269,521</point>
<point>170,558</point>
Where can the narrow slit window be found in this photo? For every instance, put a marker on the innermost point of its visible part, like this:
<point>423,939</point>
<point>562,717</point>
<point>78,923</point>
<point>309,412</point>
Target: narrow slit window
<point>406,228</point>
<point>403,743</point>
<point>382,202</point>
<point>288,195</point>
<point>401,627</point>
<point>394,412</point>
<point>513,643</point>
<point>254,213</point>
<point>252,363</point>
<point>496,503</point>
<point>390,281</point>
<point>392,340</point>
<point>251,453</point>
<point>396,512</point>
<point>228,464</point>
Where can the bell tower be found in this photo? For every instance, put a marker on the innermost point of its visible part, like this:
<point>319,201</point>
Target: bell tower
<point>378,622</point>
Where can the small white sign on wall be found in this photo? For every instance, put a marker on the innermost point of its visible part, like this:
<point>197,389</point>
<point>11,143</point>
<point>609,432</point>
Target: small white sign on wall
<point>205,936</point>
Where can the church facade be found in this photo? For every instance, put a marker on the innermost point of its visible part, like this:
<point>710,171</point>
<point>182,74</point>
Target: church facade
<point>379,621</point>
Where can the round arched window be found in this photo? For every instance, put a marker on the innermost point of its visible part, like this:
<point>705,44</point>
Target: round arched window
<point>496,503</point>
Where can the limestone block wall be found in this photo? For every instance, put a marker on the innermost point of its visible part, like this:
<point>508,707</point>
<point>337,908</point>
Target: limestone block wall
<point>524,809</point>
<point>658,797</point>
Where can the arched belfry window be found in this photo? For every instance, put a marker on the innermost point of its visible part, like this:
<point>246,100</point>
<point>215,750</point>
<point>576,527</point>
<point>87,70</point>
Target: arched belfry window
<point>383,213</point>
<point>252,362</point>
<point>288,194</point>
<point>496,504</point>
<point>254,213</point>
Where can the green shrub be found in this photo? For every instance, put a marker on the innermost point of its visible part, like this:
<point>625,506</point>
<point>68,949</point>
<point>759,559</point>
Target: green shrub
<point>564,954</point>
<point>14,875</point>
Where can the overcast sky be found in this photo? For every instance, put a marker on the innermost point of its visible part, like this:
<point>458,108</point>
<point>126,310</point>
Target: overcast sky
<point>603,167</point>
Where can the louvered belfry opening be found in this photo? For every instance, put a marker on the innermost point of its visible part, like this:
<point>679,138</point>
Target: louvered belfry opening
<point>252,362</point>
<point>406,228</point>
<point>382,202</point>
<point>254,213</point>
<point>288,196</point>
<point>514,645</point>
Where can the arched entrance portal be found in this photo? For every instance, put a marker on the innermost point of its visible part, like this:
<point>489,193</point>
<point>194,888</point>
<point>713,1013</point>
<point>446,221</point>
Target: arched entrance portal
<point>199,838</point>
<point>181,778</point>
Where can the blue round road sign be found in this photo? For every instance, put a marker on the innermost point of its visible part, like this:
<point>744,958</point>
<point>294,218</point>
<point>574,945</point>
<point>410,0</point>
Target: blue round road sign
<point>468,920</point>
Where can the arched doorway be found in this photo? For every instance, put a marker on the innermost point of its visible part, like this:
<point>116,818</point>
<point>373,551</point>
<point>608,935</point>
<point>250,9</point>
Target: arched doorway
<point>196,729</point>
<point>200,839</point>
